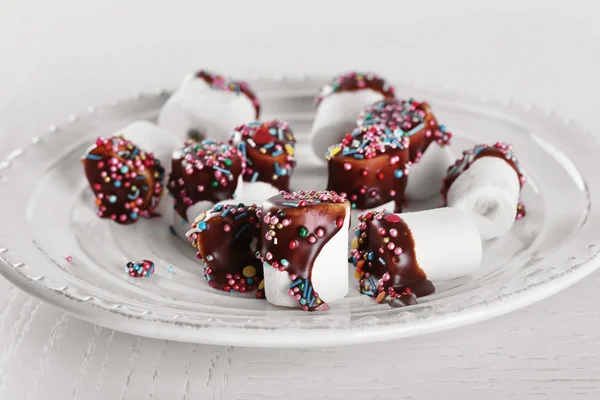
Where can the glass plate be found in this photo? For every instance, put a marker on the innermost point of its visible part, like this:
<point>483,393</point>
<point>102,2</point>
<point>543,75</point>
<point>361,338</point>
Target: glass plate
<point>47,215</point>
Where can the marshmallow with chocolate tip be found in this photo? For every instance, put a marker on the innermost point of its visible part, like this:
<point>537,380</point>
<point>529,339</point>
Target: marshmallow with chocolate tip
<point>486,183</point>
<point>304,249</point>
<point>369,167</point>
<point>203,173</point>
<point>208,106</point>
<point>398,255</point>
<point>339,103</point>
<point>429,152</point>
<point>268,149</point>
<point>227,238</point>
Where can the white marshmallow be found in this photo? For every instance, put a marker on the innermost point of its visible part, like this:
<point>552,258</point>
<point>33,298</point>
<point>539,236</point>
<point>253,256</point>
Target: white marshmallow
<point>212,112</point>
<point>489,190</point>
<point>257,193</point>
<point>426,176</point>
<point>336,116</point>
<point>181,226</point>
<point>329,273</point>
<point>447,242</point>
<point>151,138</point>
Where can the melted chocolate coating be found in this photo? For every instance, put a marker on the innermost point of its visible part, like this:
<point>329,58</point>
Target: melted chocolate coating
<point>227,238</point>
<point>207,170</point>
<point>499,150</point>
<point>354,81</point>
<point>369,167</point>
<point>221,83</point>
<point>126,180</point>
<point>412,119</point>
<point>295,227</point>
<point>268,148</point>
<point>386,264</point>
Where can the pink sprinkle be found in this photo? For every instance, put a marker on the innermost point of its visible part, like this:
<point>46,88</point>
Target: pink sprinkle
<point>398,251</point>
<point>69,258</point>
<point>347,166</point>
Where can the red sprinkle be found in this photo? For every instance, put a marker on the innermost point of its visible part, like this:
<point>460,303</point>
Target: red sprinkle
<point>392,218</point>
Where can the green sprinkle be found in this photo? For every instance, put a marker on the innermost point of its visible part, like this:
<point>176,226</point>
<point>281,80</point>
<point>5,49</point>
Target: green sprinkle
<point>303,231</point>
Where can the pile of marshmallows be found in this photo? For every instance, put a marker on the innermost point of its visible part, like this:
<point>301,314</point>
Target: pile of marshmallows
<point>481,189</point>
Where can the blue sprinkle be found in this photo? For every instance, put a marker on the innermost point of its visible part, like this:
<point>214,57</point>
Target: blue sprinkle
<point>224,213</point>
<point>269,145</point>
<point>133,215</point>
<point>312,301</point>
<point>357,232</point>
<point>290,204</point>
<point>253,124</point>
<point>280,133</point>
<point>277,169</point>
<point>254,177</point>
<point>202,225</point>
<point>112,198</point>
<point>266,265</point>
<point>117,183</point>
<point>145,187</point>
<point>306,285</point>
<point>284,262</point>
<point>370,256</point>
<point>250,281</point>
<point>277,153</point>
<point>296,283</point>
<point>93,157</point>
<point>135,152</point>
<point>414,130</point>
<point>309,292</point>
<point>398,173</point>
<point>219,208</point>
<point>273,131</point>
<point>283,171</point>
<point>170,269</point>
<point>140,177</point>
<point>359,156</point>
<point>135,195</point>
<point>348,152</point>
<point>136,267</point>
<point>242,229</point>
<point>240,216</point>
<point>223,170</point>
<point>381,260</point>
<point>302,302</point>
<point>124,169</point>
<point>368,292</point>
<point>443,128</point>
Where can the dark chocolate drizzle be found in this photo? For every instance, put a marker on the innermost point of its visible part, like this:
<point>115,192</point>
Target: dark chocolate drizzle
<point>204,171</point>
<point>127,181</point>
<point>500,150</point>
<point>227,238</point>
<point>369,167</point>
<point>383,253</point>
<point>410,118</point>
<point>354,81</point>
<point>219,82</point>
<point>295,227</point>
<point>268,148</point>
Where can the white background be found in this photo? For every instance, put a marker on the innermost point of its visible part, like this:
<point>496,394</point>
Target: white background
<point>57,57</point>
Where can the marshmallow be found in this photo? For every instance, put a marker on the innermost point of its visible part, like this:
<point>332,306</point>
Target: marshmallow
<point>204,173</point>
<point>208,105</point>
<point>268,149</point>
<point>426,175</point>
<point>127,181</point>
<point>398,255</point>
<point>153,139</point>
<point>339,103</point>
<point>369,167</point>
<point>227,238</point>
<point>304,248</point>
<point>486,182</point>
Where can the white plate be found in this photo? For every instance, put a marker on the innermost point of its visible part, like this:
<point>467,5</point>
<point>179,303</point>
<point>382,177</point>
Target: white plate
<point>46,214</point>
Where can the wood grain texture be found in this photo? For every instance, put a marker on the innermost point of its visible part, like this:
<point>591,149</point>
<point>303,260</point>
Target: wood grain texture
<point>62,56</point>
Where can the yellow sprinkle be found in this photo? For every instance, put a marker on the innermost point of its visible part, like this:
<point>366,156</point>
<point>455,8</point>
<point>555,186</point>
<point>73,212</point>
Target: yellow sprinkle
<point>279,225</point>
<point>354,243</point>
<point>386,240</point>
<point>263,150</point>
<point>274,177</point>
<point>334,151</point>
<point>358,274</point>
<point>107,179</point>
<point>290,149</point>
<point>199,218</point>
<point>249,271</point>
<point>261,285</point>
<point>133,188</point>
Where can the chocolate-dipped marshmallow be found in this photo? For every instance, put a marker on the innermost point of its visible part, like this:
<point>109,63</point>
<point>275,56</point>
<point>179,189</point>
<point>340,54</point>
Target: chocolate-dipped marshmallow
<point>416,121</point>
<point>203,173</point>
<point>304,247</point>
<point>369,167</point>
<point>227,238</point>
<point>398,255</point>
<point>127,181</point>
<point>268,150</point>
<point>339,103</point>
<point>208,105</point>
<point>486,182</point>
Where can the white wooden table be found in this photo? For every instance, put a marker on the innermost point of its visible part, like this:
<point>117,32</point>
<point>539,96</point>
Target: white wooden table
<point>58,57</point>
